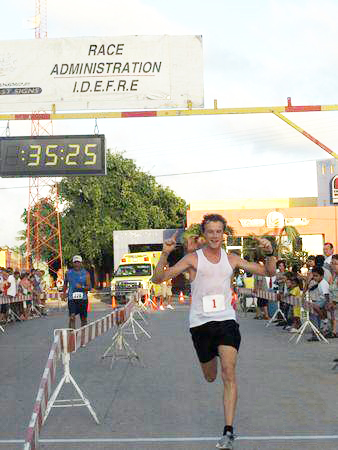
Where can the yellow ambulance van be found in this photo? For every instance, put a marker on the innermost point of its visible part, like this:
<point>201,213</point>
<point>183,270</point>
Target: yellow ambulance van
<point>134,274</point>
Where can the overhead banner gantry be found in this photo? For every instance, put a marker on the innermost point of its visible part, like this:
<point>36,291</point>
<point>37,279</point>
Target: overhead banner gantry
<point>276,110</point>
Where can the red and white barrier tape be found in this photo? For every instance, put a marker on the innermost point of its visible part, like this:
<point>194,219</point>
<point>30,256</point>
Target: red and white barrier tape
<point>73,341</point>
<point>53,295</point>
<point>44,393</point>
<point>275,297</point>
<point>8,299</point>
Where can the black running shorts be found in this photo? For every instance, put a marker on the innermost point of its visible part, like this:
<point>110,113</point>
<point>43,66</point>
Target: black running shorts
<point>76,307</point>
<point>207,337</point>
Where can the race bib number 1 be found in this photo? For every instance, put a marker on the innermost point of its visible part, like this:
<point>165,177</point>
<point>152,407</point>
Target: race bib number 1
<point>214,303</point>
<point>77,295</point>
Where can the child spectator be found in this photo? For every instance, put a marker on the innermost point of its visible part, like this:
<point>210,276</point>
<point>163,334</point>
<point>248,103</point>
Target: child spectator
<point>292,283</point>
<point>319,262</point>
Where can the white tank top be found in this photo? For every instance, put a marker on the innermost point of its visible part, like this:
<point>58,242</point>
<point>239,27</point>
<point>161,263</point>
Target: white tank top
<point>211,279</point>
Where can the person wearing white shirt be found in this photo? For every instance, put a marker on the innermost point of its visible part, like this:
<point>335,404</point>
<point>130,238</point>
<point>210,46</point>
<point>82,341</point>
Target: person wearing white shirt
<point>328,252</point>
<point>11,291</point>
<point>320,297</point>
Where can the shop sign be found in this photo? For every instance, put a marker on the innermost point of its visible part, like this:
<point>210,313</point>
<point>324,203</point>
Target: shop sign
<point>334,189</point>
<point>296,221</point>
<point>252,222</point>
<point>275,219</point>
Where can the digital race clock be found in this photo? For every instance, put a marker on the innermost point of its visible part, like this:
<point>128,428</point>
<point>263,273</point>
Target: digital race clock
<point>48,156</point>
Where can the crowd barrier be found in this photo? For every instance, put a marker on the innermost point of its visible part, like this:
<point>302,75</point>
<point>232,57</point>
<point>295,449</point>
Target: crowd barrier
<point>277,297</point>
<point>67,341</point>
<point>8,299</point>
<point>303,302</point>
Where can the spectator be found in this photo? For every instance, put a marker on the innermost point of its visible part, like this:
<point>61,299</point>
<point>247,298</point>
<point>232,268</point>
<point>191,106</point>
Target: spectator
<point>319,262</point>
<point>43,292</point>
<point>3,289</point>
<point>26,286</point>
<point>319,294</point>
<point>310,264</point>
<point>17,307</point>
<point>166,293</point>
<point>333,297</point>
<point>328,252</point>
<point>292,283</point>
<point>262,303</point>
<point>280,276</point>
<point>11,291</point>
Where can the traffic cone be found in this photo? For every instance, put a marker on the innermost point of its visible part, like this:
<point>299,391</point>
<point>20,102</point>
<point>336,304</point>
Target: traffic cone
<point>234,299</point>
<point>190,299</point>
<point>89,306</point>
<point>181,297</point>
<point>113,302</point>
<point>161,304</point>
<point>154,303</point>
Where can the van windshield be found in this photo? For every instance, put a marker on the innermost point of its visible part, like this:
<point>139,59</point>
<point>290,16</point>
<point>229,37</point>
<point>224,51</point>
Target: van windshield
<point>133,270</point>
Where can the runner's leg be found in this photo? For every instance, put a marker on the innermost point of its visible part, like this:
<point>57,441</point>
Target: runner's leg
<point>228,356</point>
<point>72,321</point>
<point>209,370</point>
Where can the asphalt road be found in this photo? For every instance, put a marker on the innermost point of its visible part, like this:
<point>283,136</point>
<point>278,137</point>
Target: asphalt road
<point>288,395</point>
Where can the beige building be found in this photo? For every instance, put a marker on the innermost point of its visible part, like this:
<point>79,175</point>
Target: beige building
<point>315,224</point>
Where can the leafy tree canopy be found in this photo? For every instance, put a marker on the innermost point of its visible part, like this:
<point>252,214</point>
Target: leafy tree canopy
<point>126,198</point>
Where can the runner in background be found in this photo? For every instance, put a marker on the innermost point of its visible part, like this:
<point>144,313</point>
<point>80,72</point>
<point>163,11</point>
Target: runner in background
<point>77,280</point>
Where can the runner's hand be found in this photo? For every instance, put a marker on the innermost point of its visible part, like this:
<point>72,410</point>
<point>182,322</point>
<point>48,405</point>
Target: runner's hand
<point>265,245</point>
<point>170,244</point>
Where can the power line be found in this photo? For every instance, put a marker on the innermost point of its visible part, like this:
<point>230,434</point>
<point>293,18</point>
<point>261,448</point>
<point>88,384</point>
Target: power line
<point>204,171</point>
<point>234,168</point>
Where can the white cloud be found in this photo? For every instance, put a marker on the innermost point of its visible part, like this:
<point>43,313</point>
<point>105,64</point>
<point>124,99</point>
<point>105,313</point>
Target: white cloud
<point>108,18</point>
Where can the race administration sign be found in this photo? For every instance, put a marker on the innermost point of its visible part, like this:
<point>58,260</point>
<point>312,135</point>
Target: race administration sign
<point>101,73</point>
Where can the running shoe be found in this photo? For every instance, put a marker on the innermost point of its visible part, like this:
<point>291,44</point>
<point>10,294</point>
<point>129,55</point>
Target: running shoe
<point>293,330</point>
<point>169,307</point>
<point>226,442</point>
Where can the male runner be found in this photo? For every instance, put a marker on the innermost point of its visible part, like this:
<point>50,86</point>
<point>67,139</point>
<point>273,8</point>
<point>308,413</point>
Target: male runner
<point>78,282</point>
<point>213,325</point>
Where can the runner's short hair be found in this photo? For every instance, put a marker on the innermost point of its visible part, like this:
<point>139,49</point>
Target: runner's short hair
<point>335,256</point>
<point>213,218</point>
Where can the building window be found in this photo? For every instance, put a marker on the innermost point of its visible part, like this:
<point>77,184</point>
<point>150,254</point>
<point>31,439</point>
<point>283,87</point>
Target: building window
<point>331,169</point>
<point>323,169</point>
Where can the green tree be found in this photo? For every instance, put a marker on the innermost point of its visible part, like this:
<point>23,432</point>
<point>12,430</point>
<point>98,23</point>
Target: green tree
<point>126,198</point>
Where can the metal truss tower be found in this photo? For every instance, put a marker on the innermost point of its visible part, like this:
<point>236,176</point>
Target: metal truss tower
<point>43,239</point>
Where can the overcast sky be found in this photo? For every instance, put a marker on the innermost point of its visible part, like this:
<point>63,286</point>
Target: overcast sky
<point>256,53</point>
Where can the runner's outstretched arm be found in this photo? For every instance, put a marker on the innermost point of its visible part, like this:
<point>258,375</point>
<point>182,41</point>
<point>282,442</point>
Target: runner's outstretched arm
<point>269,268</point>
<point>182,265</point>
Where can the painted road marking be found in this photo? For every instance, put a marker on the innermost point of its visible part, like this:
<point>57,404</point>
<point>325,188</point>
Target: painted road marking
<point>171,439</point>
